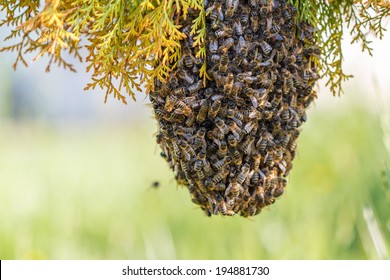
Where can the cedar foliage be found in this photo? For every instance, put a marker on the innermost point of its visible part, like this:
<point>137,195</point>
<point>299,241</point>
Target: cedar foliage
<point>130,43</point>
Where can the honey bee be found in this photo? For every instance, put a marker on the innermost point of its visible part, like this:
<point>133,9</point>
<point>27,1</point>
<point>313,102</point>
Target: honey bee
<point>231,7</point>
<point>237,132</point>
<point>234,188</point>
<point>213,46</point>
<point>222,150</point>
<point>220,176</point>
<point>247,146</point>
<point>199,140</point>
<point>161,114</point>
<point>185,77</point>
<point>183,108</point>
<point>245,15</point>
<point>227,44</point>
<point>218,165</point>
<point>243,174</point>
<point>224,210</point>
<point>219,187</point>
<point>187,148</point>
<point>214,108</point>
<point>249,126</point>
<point>242,46</point>
<point>236,157</point>
<point>215,58</point>
<point>223,32</point>
<point>255,24</point>
<point>265,47</point>
<point>223,63</point>
<point>221,126</point>
<point>170,102</point>
<point>262,145</point>
<point>195,87</point>
<point>204,107</point>
<point>190,120</point>
<point>238,28</point>
<point>231,114</point>
<point>275,29</point>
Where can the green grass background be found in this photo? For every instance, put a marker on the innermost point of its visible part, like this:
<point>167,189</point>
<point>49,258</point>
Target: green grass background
<point>84,192</point>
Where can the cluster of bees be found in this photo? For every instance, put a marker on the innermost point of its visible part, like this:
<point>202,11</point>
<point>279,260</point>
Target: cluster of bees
<point>231,142</point>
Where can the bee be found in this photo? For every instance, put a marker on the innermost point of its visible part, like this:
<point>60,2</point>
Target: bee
<point>220,176</point>
<point>243,46</point>
<point>231,114</point>
<point>198,166</point>
<point>262,145</point>
<point>185,169</point>
<point>237,132</point>
<point>269,159</point>
<point>218,165</point>
<point>215,58</point>
<point>285,115</point>
<point>214,108</point>
<point>243,174</point>
<point>253,4</point>
<point>199,140</point>
<point>187,148</point>
<point>227,44</point>
<point>219,187</point>
<point>182,109</point>
<point>224,210</point>
<point>247,146</point>
<point>228,84</point>
<point>222,150</point>
<point>190,120</point>
<point>249,126</point>
<point>222,33</point>
<point>265,47</point>
<point>232,141</point>
<point>221,126</point>
<point>275,29</point>
<point>213,46</point>
<point>231,7</point>
<point>236,157</point>
<point>170,102</point>
<point>204,107</point>
<point>195,87</point>
<point>255,24</point>
<point>256,160</point>
<point>238,28</point>
<point>161,114</point>
<point>234,188</point>
<point>185,77</point>
<point>223,63</point>
<point>245,15</point>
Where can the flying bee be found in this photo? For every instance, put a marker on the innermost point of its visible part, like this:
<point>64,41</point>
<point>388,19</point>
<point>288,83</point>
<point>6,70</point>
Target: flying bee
<point>202,114</point>
<point>222,150</point>
<point>227,44</point>
<point>223,63</point>
<point>214,108</point>
<point>221,126</point>
<point>213,45</point>
<point>185,77</point>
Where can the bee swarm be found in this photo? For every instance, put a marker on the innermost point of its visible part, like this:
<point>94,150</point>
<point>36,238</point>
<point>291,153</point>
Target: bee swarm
<point>232,142</point>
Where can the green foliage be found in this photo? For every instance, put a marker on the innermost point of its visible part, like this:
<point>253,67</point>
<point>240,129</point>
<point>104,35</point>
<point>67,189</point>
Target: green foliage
<point>328,16</point>
<point>131,43</point>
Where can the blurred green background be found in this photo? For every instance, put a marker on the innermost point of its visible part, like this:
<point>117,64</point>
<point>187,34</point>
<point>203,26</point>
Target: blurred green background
<point>76,178</point>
